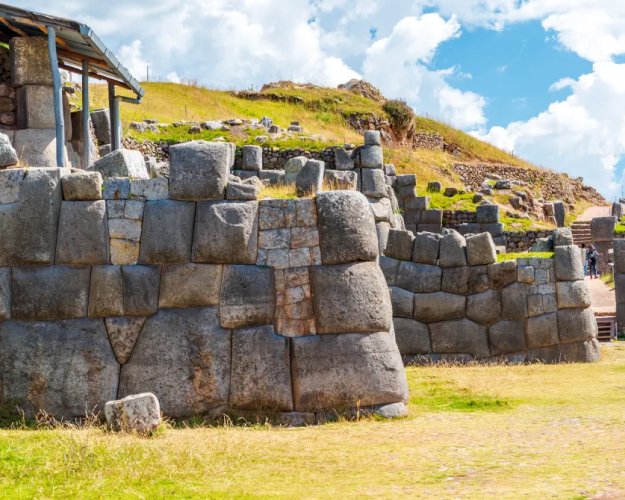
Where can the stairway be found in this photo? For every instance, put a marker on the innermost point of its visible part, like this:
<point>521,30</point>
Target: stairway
<point>581,231</point>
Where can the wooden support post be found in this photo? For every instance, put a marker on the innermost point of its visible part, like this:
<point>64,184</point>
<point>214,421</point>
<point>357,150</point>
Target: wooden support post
<point>86,133</point>
<point>58,98</point>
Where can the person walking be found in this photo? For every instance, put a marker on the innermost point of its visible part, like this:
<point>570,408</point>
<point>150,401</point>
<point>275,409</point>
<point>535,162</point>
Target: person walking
<point>591,258</point>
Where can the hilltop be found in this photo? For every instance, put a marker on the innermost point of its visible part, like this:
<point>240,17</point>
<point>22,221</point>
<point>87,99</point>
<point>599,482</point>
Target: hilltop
<point>334,116</point>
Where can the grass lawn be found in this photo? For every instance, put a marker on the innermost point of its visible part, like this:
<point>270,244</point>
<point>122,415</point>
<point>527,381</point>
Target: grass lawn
<point>474,432</point>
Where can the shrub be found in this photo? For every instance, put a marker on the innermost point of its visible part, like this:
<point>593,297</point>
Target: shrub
<point>400,115</point>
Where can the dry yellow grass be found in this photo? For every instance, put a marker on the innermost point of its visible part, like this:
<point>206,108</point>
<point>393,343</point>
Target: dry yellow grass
<point>474,432</point>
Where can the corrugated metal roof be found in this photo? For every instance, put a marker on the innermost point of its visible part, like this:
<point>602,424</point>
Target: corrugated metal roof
<point>74,41</point>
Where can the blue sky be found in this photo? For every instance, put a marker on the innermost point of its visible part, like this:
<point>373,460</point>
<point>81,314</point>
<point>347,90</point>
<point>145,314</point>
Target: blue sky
<point>542,78</point>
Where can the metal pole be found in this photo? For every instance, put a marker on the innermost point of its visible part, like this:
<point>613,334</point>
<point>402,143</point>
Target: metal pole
<point>117,123</point>
<point>86,134</point>
<point>58,98</point>
<point>113,118</point>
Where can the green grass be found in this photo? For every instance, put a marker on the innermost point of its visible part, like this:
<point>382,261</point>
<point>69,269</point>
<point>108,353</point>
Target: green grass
<point>456,202</point>
<point>619,228</point>
<point>524,255</point>
<point>474,431</point>
<point>608,279</point>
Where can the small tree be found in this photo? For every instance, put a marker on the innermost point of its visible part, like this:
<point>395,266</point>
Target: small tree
<point>400,115</point>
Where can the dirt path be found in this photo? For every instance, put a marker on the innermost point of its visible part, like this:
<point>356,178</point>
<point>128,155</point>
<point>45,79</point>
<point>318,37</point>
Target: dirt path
<point>602,296</point>
<point>592,212</point>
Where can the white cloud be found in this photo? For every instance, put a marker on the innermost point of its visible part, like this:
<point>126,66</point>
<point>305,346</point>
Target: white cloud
<point>133,58</point>
<point>562,84</point>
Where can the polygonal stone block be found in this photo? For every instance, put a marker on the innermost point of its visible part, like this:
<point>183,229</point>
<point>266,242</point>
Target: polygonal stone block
<point>412,337</point>
<point>577,324</point>
<point>419,278</point>
<point>106,295</point>
<point>484,308</point>
<point>480,249</point>
<point>83,233</point>
<point>461,337</point>
<point>140,285</point>
<point>82,186</point>
<point>190,285</point>
<point>507,337</point>
<point>568,263</point>
<point>542,330</point>
<point>247,296</point>
<point>30,61</point>
<point>122,163</point>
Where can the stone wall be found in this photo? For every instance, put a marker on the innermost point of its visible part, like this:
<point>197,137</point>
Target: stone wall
<point>273,307</point>
<point>522,241</point>
<point>619,283</point>
<point>453,302</point>
<point>428,141</point>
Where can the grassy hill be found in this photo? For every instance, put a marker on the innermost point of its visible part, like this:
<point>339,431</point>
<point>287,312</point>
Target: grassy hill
<point>325,114</point>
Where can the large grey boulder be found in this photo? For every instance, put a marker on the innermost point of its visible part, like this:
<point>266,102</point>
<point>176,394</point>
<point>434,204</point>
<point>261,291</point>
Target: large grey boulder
<point>347,230</point>
<point>576,324</point>
<point>247,296</point>
<point>243,190</point>
<point>167,232</point>
<point>36,147</point>
<point>438,306</point>
<point>343,159</point>
<point>82,186</point>
<point>29,219</point>
<point>568,263</point>
<point>123,334</point>
<point>261,371</point>
<point>83,233</point>
<point>373,183</point>
<point>419,278</point>
<point>199,170</point>
<point>487,214</point>
<point>340,180</point>
<point>140,413</point>
<point>460,337</point>
<point>542,330</point>
<point>507,337</point>
<point>8,156</point>
<point>619,255</point>
<point>480,249</point>
<point>602,228</point>
<point>339,372</point>
<point>402,302</point>
<point>226,233</point>
<point>101,120</point>
<point>563,237</point>
<point>293,167</point>
<point>31,63</point>
<point>190,285</point>
<point>426,248</point>
<point>573,294</point>
<point>465,280</point>
<point>182,357</point>
<point>484,308</point>
<point>140,285</point>
<point>452,250</point>
<point>252,158</point>
<point>373,138</point>
<point>5,293</point>
<point>66,368</point>
<point>122,163</point>
<point>559,211</point>
<point>389,269</point>
<point>400,244</point>
<point>412,337</point>
<point>309,179</point>
<point>371,157</point>
<point>350,298</point>
<point>579,352</point>
<point>502,273</point>
<point>514,302</point>
<point>50,293</point>
<point>105,292</point>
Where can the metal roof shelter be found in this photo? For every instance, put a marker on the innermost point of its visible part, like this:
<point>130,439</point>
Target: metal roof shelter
<point>74,47</point>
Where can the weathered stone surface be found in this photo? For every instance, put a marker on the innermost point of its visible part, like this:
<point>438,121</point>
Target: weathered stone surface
<point>183,357</point>
<point>140,413</point>
<point>50,293</point>
<point>123,334</point>
<point>105,292</point>
<point>438,306</point>
<point>199,170</point>
<point>82,186</point>
<point>412,337</point>
<point>402,302</point>
<point>465,280</point>
<point>383,229</point>
<point>562,237</point>
<point>452,250</point>
<point>487,214</point>
<point>66,368</point>
<point>140,285</point>
<point>346,228</point>
<point>293,167</point>
<point>242,191</point>
<point>568,263</point>
<point>502,274</point>
<point>31,63</point>
<point>351,298</point>
<point>480,249</point>
<point>579,352</point>
<point>373,138</point>
<point>5,293</point>
<point>35,107</point>
<point>576,324</point>
<point>247,296</point>
<point>373,183</point>
<point>116,188</point>
<point>389,269</point>
<point>252,158</point>
<point>400,244</point>
<point>101,120</point>
<point>150,189</point>
<point>190,285</point>
<point>542,330</point>
<point>124,252</point>
<point>460,336</point>
<point>507,337</point>
<point>122,163</point>
<point>619,255</point>
<point>572,294</point>
<point>419,278</point>
<point>432,217</point>
<point>426,248</point>
<point>261,370</point>
<point>335,372</point>
<point>338,180</point>
<point>83,233</point>
<point>8,155</point>
<point>484,308</point>
<point>309,179</point>
<point>226,233</point>
<point>28,222</point>
<point>602,228</point>
<point>342,159</point>
<point>371,157</point>
<point>36,147</point>
<point>125,229</point>
<point>167,232</point>
<point>394,410</point>
<point>514,302</point>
